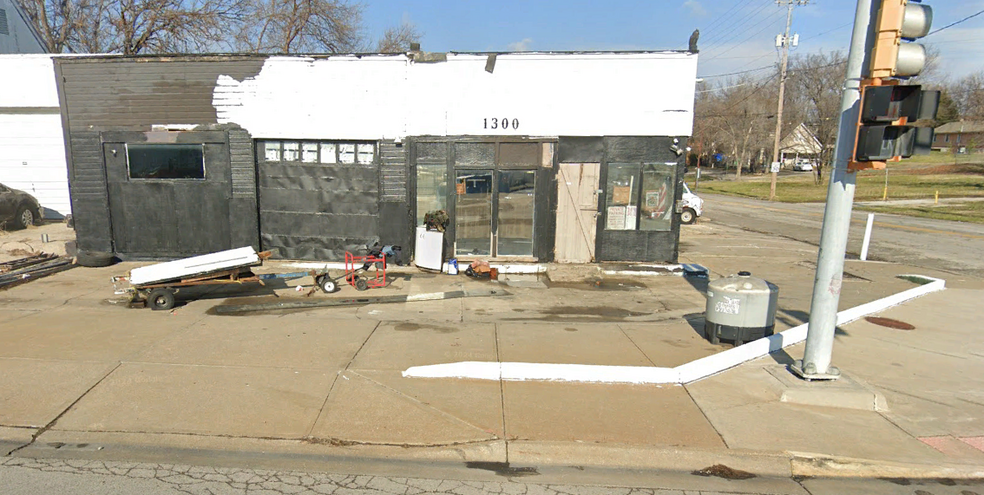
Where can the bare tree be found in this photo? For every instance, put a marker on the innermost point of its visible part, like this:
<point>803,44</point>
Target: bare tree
<point>735,117</point>
<point>302,26</point>
<point>968,94</point>
<point>818,82</point>
<point>134,26</point>
<point>58,21</point>
<point>171,26</point>
<point>397,39</point>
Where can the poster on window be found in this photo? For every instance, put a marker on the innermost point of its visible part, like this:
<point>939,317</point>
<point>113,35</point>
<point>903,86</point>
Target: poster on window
<point>615,219</point>
<point>622,195</point>
<point>657,200</point>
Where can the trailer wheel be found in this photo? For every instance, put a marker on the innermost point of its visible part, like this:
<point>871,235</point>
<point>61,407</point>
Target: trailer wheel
<point>361,284</point>
<point>327,284</point>
<point>160,299</point>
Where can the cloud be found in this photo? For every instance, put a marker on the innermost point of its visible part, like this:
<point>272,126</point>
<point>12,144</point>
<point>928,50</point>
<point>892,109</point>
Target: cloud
<point>521,46</point>
<point>695,8</point>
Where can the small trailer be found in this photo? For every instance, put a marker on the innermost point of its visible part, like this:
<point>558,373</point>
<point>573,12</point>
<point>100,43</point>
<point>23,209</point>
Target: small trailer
<point>156,285</point>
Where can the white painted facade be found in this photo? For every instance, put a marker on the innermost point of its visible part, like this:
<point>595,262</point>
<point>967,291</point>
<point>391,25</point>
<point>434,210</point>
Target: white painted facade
<point>537,94</point>
<point>32,146</point>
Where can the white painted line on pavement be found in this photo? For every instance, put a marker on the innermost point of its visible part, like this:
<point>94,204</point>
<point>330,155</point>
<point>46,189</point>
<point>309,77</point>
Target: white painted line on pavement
<point>686,373</point>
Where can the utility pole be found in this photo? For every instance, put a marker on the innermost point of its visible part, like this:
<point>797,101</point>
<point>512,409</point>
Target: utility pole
<point>786,41</point>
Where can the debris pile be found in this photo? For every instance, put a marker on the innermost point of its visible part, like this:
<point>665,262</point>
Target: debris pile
<point>32,267</point>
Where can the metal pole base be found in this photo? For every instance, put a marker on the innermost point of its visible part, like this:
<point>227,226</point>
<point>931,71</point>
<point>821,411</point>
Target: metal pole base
<point>809,373</point>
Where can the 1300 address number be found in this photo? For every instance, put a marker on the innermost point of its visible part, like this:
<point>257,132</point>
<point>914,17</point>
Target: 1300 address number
<point>504,123</point>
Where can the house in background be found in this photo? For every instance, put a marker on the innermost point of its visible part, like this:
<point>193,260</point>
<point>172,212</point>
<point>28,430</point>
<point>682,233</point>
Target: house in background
<point>17,34</point>
<point>536,156</point>
<point>800,143</point>
<point>32,144</point>
<point>961,136</point>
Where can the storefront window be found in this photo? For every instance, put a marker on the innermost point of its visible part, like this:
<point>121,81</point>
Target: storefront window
<point>658,194</point>
<point>165,161</point>
<point>622,196</point>
<point>432,190</point>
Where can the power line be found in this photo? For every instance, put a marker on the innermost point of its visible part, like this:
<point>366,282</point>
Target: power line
<point>828,32</point>
<point>734,31</point>
<point>971,16</point>
<point>739,72</point>
<point>771,20</point>
<point>724,17</point>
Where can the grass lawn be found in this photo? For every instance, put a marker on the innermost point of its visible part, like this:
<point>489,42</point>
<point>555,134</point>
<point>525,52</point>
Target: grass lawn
<point>919,177</point>
<point>971,211</point>
<point>870,186</point>
<point>960,176</point>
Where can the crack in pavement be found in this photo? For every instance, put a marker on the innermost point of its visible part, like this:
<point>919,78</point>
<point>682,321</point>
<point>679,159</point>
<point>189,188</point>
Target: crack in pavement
<point>197,480</point>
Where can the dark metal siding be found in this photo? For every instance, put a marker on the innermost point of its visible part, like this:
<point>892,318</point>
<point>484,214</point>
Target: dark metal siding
<point>395,220</point>
<point>133,94</point>
<point>89,193</point>
<point>318,211</point>
<point>636,245</point>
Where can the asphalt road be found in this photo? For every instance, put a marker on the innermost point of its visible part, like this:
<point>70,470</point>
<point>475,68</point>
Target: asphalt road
<point>953,247</point>
<point>71,477</point>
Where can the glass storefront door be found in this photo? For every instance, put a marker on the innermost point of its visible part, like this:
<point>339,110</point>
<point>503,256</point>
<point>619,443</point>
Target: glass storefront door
<point>473,212</point>
<point>514,226</point>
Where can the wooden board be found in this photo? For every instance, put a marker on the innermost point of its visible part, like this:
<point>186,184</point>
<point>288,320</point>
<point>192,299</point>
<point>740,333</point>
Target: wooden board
<point>577,208</point>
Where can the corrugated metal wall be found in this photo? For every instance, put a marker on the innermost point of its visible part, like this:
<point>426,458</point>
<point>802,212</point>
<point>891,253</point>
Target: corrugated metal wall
<point>32,146</point>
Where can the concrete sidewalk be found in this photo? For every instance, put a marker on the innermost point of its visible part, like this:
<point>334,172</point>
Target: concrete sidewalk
<point>87,378</point>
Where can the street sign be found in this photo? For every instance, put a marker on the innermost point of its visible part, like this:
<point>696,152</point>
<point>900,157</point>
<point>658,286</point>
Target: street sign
<point>775,167</point>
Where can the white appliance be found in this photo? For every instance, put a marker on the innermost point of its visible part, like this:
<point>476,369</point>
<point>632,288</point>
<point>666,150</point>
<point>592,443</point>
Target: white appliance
<point>429,249</point>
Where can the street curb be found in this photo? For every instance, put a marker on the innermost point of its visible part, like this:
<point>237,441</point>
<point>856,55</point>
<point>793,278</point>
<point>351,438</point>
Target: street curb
<point>300,455</point>
<point>822,466</point>
<point>683,374</point>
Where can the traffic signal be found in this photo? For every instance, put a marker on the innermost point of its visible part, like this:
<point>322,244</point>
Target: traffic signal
<point>884,130</point>
<point>900,22</point>
<point>883,133</point>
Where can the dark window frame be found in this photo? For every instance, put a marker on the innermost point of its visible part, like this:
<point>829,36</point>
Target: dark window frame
<point>129,168</point>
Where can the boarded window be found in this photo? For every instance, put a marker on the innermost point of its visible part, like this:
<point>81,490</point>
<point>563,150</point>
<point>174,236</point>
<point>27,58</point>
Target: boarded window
<point>292,151</point>
<point>165,161</point>
<point>328,153</point>
<point>309,153</point>
<point>271,151</point>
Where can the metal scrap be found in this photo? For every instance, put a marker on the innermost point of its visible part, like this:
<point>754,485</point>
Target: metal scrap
<point>24,270</point>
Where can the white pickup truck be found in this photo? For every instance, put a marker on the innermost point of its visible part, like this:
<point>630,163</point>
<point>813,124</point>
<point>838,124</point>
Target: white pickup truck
<point>693,206</point>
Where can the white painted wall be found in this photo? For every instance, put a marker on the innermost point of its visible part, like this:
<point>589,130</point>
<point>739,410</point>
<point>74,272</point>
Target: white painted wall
<point>548,94</point>
<point>32,146</point>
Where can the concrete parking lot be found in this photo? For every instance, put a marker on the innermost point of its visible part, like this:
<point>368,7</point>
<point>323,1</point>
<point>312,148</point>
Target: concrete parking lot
<point>87,377</point>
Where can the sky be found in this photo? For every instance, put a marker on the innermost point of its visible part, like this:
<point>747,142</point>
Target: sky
<point>735,35</point>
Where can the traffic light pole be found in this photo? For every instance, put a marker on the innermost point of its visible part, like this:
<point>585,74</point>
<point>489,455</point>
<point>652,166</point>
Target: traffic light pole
<point>837,215</point>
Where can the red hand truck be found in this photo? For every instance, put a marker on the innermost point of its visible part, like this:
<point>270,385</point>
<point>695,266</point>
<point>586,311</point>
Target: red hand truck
<point>354,265</point>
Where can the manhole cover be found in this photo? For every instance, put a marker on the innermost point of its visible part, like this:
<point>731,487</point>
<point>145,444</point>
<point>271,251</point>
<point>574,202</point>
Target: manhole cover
<point>890,323</point>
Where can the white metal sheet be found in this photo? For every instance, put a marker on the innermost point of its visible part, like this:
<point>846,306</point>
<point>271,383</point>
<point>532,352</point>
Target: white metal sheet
<point>196,265</point>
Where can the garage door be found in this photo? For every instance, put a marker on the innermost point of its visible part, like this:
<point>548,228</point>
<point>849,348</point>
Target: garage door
<point>317,199</point>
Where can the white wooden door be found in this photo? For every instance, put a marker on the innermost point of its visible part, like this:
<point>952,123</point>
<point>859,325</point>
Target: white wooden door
<point>577,210</point>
